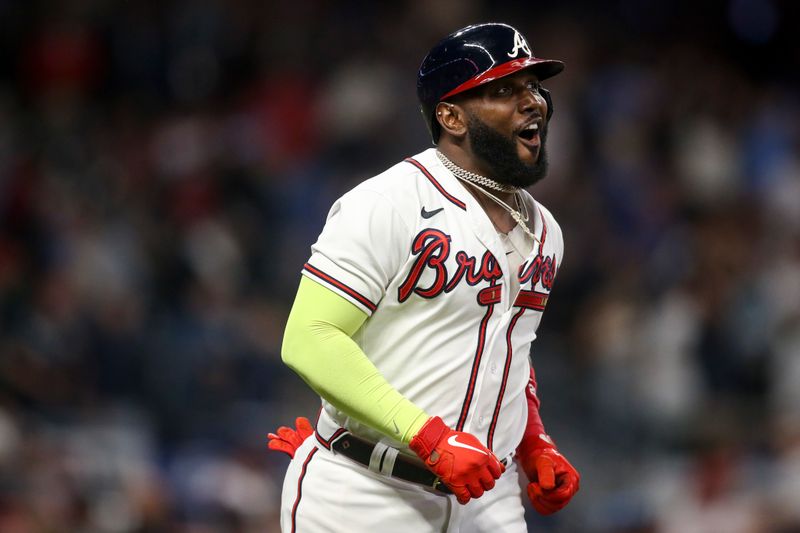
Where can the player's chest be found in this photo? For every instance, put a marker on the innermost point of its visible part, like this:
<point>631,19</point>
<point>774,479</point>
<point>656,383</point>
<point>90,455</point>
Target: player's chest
<point>470,268</point>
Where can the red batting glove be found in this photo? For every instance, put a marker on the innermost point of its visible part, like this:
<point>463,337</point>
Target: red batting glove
<point>288,440</point>
<point>459,459</point>
<point>553,480</point>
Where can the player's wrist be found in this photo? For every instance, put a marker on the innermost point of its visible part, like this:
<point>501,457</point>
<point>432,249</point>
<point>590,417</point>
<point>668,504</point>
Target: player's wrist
<point>535,442</point>
<point>416,425</point>
<point>531,448</point>
<point>428,437</point>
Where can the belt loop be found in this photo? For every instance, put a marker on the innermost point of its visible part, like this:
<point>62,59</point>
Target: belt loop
<point>388,461</point>
<point>509,458</point>
<point>376,458</point>
<point>337,439</point>
<point>382,458</point>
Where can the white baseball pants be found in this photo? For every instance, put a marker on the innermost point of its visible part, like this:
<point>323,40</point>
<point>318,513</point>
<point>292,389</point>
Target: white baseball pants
<point>327,493</point>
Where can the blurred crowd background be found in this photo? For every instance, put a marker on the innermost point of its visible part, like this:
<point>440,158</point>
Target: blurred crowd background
<point>165,166</point>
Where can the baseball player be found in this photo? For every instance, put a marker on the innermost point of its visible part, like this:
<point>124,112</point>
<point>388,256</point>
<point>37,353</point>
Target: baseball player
<point>416,312</point>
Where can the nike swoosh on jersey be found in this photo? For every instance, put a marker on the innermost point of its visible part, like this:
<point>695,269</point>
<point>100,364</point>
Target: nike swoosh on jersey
<point>453,442</point>
<point>429,214</point>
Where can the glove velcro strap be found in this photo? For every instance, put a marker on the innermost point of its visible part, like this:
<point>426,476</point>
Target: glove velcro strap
<point>426,439</point>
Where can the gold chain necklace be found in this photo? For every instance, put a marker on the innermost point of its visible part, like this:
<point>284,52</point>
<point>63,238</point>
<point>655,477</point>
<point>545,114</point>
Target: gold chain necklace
<point>520,214</point>
<point>472,177</point>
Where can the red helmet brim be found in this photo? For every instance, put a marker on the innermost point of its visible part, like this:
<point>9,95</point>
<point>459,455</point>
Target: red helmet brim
<point>544,68</point>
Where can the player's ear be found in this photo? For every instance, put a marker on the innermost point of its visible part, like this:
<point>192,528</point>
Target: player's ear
<point>451,118</point>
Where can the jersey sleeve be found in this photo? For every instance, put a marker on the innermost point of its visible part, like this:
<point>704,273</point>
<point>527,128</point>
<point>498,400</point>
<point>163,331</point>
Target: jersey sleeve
<point>360,249</point>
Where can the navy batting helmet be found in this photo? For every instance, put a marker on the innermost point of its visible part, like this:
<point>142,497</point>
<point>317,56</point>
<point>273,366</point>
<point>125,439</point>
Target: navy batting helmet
<point>471,57</point>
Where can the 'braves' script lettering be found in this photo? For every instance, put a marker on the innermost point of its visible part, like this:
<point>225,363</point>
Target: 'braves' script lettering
<point>540,269</point>
<point>432,248</point>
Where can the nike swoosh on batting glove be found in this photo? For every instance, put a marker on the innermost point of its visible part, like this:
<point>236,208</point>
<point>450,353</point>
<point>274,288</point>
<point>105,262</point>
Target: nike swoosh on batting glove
<point>553,480</point>
<point>287,439</point>
<point>459,459</point>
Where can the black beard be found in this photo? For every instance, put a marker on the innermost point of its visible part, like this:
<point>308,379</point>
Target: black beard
<point>499,154</point>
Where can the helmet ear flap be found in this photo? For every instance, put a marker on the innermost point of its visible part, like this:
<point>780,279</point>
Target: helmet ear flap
<point>549,99</point>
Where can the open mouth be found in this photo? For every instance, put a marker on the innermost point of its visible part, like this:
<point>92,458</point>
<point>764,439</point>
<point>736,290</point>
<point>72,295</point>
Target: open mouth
<point>530,132</point>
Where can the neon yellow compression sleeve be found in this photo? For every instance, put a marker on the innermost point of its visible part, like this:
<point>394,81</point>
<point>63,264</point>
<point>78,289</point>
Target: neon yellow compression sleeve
<point>317,344</point>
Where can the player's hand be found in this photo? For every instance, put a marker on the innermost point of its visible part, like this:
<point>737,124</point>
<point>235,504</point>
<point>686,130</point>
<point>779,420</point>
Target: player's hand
<point>553,480</point>
<point>459,459</point>
<point>287,439</point>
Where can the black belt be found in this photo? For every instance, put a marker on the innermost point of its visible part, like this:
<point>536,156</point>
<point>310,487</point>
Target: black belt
<point>360,451</point>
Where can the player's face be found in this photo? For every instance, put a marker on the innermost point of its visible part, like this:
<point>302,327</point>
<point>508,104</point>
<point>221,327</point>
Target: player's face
<point>507,130</point>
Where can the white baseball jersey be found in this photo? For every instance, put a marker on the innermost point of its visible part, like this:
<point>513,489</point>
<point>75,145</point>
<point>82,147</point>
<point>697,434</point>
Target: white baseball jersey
<point>414,250</point>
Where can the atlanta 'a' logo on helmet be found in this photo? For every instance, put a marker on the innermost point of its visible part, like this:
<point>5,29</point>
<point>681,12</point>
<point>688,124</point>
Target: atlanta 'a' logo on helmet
<point>519,44</point>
